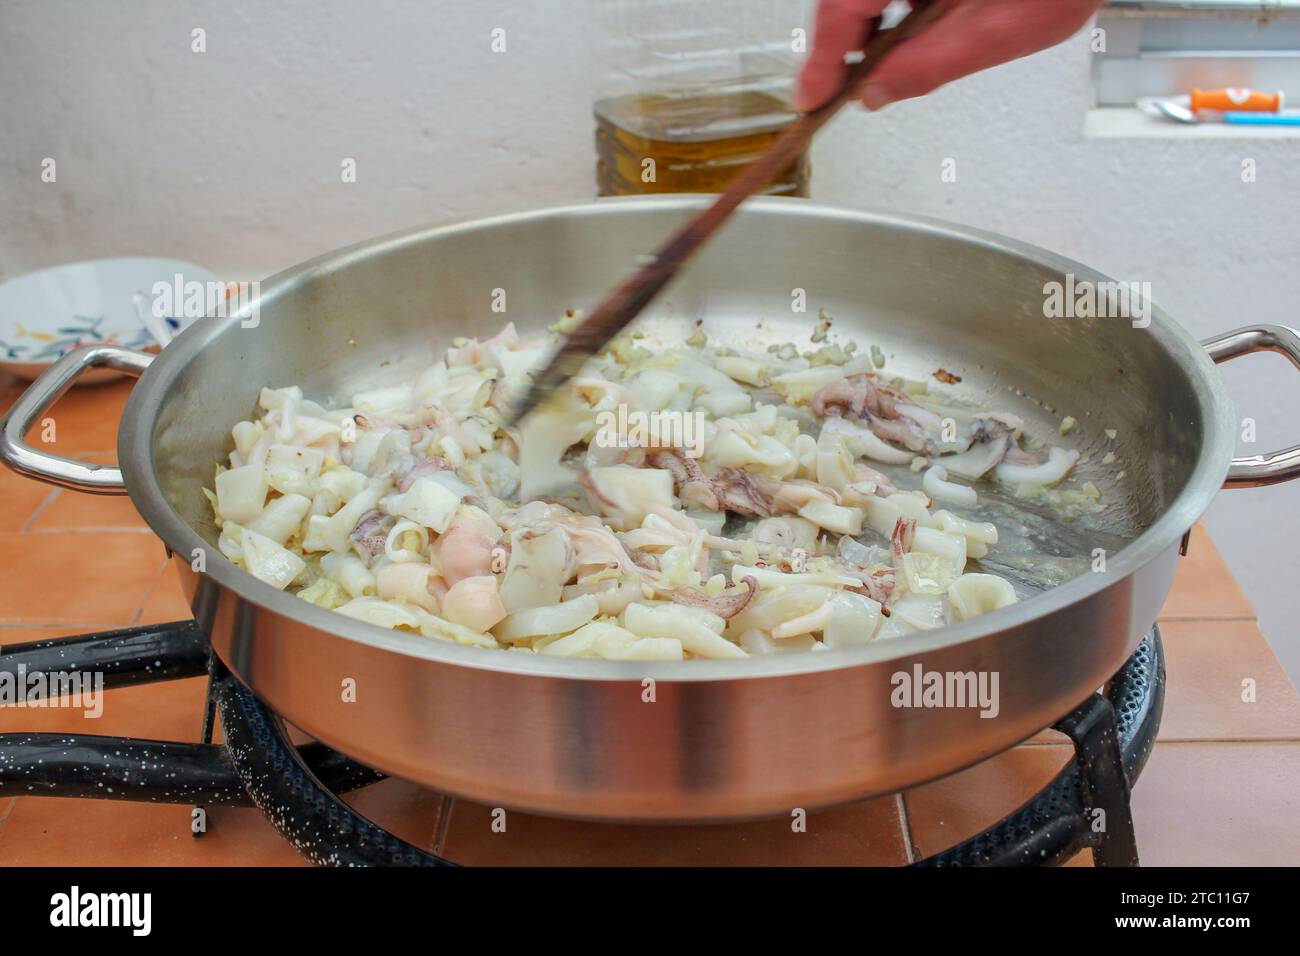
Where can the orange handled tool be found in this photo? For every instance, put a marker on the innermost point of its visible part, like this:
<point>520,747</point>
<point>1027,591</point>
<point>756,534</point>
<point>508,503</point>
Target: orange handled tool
<point>1236,98</point>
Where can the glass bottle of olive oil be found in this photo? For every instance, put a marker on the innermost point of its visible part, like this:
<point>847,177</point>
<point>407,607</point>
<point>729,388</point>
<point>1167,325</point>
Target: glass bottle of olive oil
<point>689,91</point>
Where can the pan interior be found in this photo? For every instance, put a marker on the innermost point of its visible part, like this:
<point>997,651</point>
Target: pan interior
<point>929,297</point>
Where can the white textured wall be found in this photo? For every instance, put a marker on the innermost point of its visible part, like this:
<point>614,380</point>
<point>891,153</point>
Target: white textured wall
<point>231,158</point>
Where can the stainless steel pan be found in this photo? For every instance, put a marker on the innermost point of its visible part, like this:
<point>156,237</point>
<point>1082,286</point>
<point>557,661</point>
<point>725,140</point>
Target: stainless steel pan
<point>695,740</point>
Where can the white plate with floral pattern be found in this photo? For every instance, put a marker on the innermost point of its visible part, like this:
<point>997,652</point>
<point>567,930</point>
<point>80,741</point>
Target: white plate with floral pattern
<point>46,314</point>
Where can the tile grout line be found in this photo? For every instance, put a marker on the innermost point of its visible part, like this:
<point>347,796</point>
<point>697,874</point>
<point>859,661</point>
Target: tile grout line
<point>1205,619</point>
<point>148,593</point>
<point>106,529</point>
<point>39,510</point>
<point>909,846</point>
<point>445,808</point>
<point>1063,742</point>
<point>30,624</point>
<point>1041,744</point>
<point>4,817</point>
<point>1230,740</point>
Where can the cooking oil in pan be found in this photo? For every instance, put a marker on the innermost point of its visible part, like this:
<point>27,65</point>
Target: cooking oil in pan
<point>689,141</point>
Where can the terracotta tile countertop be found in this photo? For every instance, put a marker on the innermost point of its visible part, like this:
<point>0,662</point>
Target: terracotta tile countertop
<point>1222,786</point>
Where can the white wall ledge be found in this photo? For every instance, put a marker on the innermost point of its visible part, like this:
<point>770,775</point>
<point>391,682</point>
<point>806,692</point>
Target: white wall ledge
<point>1115,122</point>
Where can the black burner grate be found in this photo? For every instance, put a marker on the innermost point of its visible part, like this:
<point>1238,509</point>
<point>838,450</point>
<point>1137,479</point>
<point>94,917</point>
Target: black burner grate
<point>297,787</point>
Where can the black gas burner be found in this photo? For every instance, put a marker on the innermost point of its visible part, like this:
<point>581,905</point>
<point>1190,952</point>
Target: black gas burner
<point>297,787</point>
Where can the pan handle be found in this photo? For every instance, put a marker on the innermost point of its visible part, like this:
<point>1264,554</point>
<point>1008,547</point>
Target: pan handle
<point>44,392</point>
<point>1280,465</point>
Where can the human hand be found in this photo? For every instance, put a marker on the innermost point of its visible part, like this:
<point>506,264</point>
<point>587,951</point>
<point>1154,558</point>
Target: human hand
<point>972,35</point>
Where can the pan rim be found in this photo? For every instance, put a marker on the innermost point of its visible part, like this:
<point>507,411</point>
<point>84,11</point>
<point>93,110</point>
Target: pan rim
<point>135,455</point>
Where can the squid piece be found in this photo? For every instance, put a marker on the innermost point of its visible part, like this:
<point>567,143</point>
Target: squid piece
<point>541,562</point>
<point>875,448</point>
<point>950,547</point>
<point>474,603</point>
<point>241,493</point>
<point>612,597</point>
<point>785,533</point>
<point>725,606</point>
<point>879,586</point>
<point>655,539</point>
<point>799,493</point>
<point>731,489</point>
<point>978,460</point>
<point>535,512</point>
<point>889,412</point>
<point>743,493</point>
<point>868,482</point>
<point>1018,456</point>
<point>882,514</point>
<point>351,572</point>
<point>760,644</point>
<point>1059,463</point>
<point>861,395</point>
<point>993,439</point>
<point>370,534</point>
<point>854,620</point>
<point>336,531</point>
<point>427,502</point>
<point>699,631</point>
<point>823,576</point>
<point>903,431</point>
<point>732,447</point>
<point>904,535</point>
<point>974,594</point>
<point>561,618</point>
<point>775,606</point>
<point>429,465</point>
<point>626,494</point>
<point>935,483</point>
<point>494,474</point>
<point>835,518</point>
<point>406,542</point>
<point>281,518</point>
<point>921,611</point>
<point>465,549</point>
<point>853,552</point>
<point>408,582</point>
<point>293,470</point>
<point>814,621</point>
<point>978,534</point>
<point>371,422</point>
<point>596,548</point>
